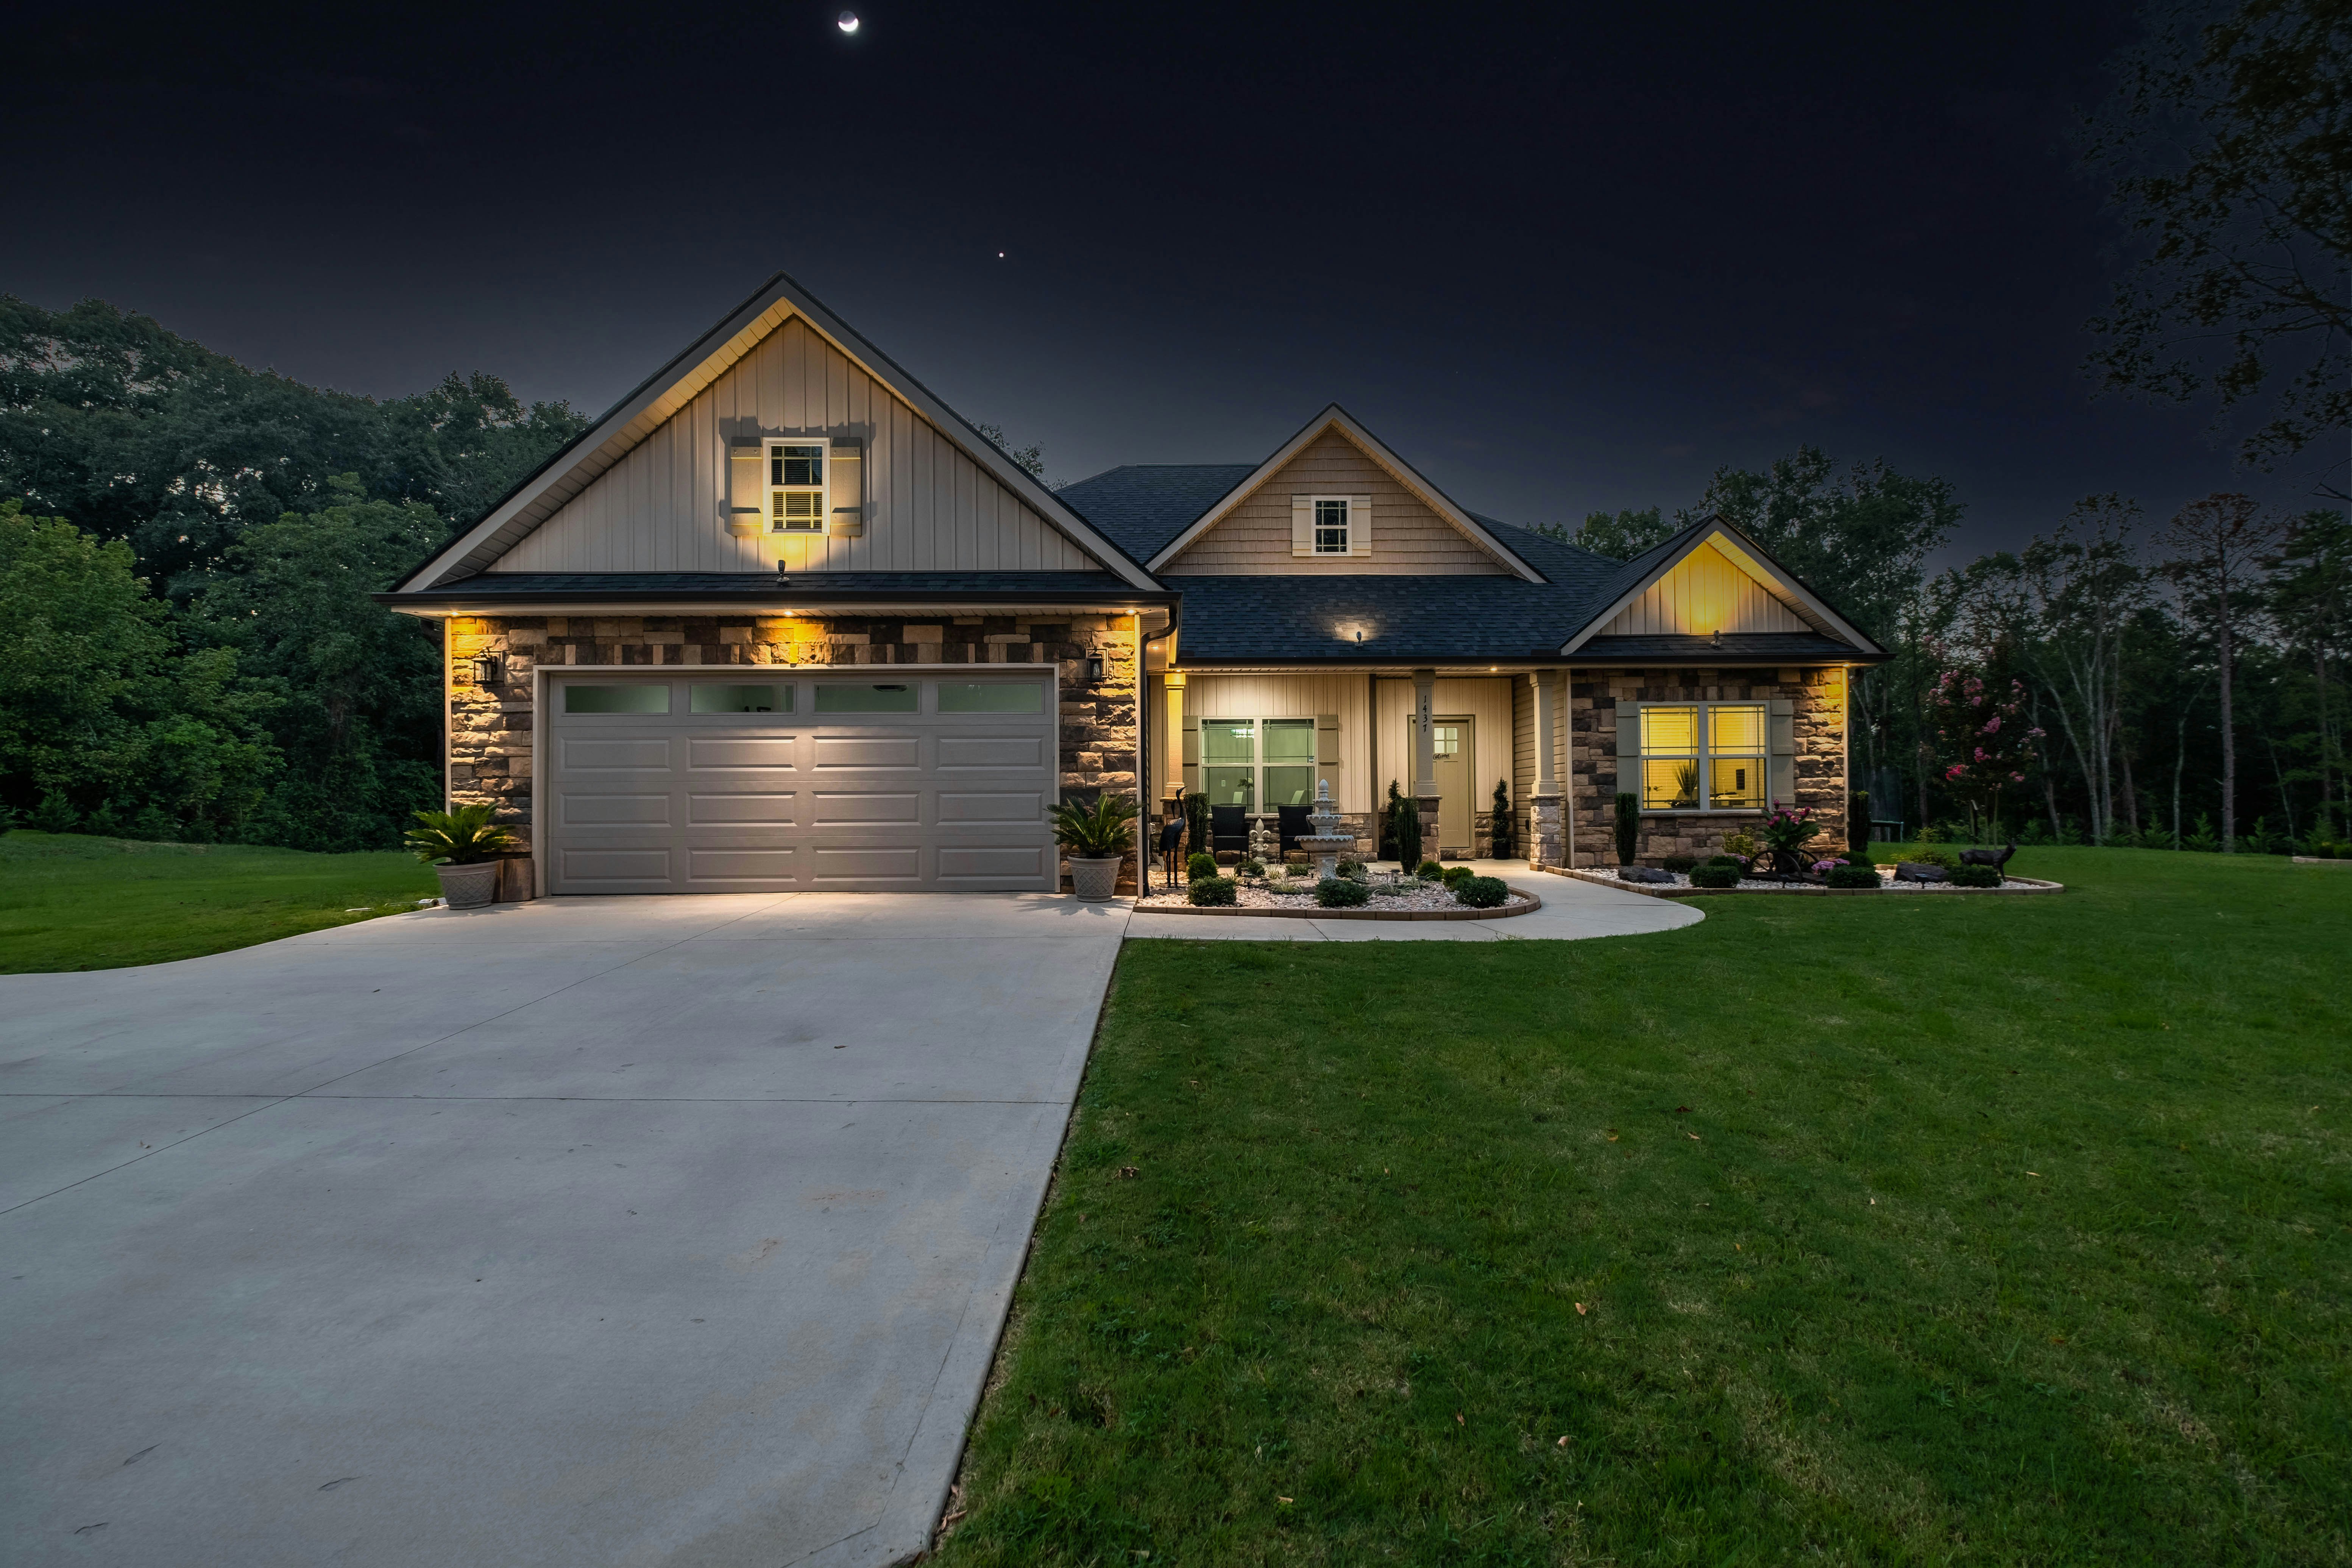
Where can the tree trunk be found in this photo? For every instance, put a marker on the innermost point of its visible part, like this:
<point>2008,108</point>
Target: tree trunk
<point>2228,742</point>
<point>2131,791</point>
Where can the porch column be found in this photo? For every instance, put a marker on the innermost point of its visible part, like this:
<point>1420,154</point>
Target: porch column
<point>1424,749</point>
<point>1545,811</point>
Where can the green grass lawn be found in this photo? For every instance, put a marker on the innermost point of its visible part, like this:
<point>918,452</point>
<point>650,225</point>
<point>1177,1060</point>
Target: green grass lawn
<point>1890,1230</point>
<point>68,901</point>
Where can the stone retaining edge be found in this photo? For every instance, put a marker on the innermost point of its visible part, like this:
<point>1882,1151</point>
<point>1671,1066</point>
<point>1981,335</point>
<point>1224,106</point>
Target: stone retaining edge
<point>1320,913</point>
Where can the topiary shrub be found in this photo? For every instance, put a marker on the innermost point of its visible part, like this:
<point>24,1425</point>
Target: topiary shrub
<point>1199,865</point>
<point>1850,876</point>
<point>1679,862</point>
<point>1454,876</point>
<point>1482,892</point>
<point>1973,877</point>
<point>1629,820</point>
<point>1734,861</point>
<point>1714,876</point>
<point>1339,893</point>
<point>1430,871</point>
<point>1212,892</point>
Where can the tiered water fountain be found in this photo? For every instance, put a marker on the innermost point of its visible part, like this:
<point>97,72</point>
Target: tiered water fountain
<point>1327,843</point>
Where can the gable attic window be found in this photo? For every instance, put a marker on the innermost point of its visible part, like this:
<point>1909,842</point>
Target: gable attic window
<point>797,486</point>
<point>1328,526</point>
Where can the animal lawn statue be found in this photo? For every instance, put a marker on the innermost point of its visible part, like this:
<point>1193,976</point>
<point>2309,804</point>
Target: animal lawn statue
<point>1996,858</point>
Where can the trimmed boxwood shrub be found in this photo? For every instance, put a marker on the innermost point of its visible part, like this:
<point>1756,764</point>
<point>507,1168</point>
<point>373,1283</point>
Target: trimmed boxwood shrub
<point>1199,865</point>
<point>1430,871</point>
<point>1973,877</point>
<point>1341,893</point>
<point>1212,891</point>
<point>1714,876</point>
<point>1734,861</point>
<point>1679,862</point>
<point>1482,892</point>
<point>1454,876</point>
<point>1850,877</point>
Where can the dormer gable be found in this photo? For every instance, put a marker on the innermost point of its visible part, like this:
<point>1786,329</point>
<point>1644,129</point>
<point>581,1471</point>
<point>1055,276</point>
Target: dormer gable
<point>1334,499</point>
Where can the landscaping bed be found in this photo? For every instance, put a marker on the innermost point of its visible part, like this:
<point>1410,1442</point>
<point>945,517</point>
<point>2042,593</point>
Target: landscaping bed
<point>1423,902</point>
<point>1887,884</point>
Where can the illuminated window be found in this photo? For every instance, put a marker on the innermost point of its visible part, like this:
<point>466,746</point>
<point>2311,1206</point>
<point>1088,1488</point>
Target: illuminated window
<point>1701,756</point>
<point>1258,763</point>
<point>797,486</point>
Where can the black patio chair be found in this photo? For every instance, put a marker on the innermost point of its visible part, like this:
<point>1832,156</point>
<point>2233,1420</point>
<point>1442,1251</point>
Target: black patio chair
<point>1290,822</point>
<point>1229,828</point>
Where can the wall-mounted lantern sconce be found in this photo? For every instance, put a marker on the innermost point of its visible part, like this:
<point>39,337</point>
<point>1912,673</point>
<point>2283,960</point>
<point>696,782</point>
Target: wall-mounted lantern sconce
<point>1714,640</point>
<point>1093,666</point>
<point>485,668</point>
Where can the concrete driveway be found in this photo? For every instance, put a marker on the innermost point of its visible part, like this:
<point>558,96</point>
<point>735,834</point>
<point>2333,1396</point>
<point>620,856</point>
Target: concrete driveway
<point>670,1231</point>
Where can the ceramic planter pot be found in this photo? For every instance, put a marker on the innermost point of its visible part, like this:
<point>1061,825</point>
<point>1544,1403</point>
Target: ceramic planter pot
<point>469,887</point>
<point>1096,877</point>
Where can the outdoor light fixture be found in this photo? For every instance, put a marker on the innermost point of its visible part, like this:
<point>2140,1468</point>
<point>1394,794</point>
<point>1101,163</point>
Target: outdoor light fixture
<point>1093,666</point>
<point>1714,640</point>
<point>486,669</point>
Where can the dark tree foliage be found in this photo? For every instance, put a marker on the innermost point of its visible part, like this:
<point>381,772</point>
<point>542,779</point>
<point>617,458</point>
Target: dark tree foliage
<point>130,432</point>
<point>2228,148</point>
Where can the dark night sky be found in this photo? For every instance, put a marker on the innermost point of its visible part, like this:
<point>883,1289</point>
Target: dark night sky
<point>1561,261</point>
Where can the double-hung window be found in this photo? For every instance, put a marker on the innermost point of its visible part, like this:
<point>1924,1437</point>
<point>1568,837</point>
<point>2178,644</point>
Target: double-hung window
<point>1257,764</point>
<point>797,486</point>
<point>1330,527</point>
<point>1701,756</point>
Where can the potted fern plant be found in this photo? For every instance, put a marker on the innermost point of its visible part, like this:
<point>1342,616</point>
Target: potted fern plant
<point>463,848</point>
<point>1095,838</point>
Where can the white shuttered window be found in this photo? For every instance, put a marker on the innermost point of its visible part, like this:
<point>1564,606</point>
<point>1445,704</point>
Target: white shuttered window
<point>796,494</point>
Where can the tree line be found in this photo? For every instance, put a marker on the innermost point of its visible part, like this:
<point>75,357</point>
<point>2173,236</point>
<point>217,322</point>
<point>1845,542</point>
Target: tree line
<point>187,548</point>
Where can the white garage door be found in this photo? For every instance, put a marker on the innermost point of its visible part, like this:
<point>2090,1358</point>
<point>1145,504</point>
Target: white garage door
<point>761,781</point>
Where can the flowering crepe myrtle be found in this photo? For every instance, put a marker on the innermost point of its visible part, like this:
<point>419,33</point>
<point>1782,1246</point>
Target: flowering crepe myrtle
<point>1982,726</point>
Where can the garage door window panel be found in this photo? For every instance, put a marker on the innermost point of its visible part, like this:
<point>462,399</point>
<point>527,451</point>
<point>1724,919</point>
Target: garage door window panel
<point>629,697</point>
<point>991,697</point>
<point>885,698</point>
<point>712,697</point>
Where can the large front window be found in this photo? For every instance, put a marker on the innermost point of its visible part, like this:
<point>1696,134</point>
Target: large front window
<point>1702,756</point>
<point>1257,764</point>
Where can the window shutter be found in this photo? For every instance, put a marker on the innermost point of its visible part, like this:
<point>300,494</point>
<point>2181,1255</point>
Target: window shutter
<point>1780,723</point>
<point>1302,525</point>
<point>1191,748</point>
<point>1629,747</point>
<point>1359,525</point>
<point>1326,740</point>
<point>845,488</point>
<point>747,487</point>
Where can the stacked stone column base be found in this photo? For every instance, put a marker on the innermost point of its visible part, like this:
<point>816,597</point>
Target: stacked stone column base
<point>1547,837</point>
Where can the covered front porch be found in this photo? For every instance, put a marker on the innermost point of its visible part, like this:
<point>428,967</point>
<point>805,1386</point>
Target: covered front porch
<point>1482,749</point>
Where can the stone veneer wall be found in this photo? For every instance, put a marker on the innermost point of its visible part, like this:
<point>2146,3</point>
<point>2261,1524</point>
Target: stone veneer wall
<point>1817,696</point>
<point>490,728</point>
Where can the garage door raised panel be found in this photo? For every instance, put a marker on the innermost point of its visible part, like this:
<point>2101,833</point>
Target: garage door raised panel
<point>657,786</point>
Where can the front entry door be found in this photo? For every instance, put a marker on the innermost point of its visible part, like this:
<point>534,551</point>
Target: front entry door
<point>1457,805</point>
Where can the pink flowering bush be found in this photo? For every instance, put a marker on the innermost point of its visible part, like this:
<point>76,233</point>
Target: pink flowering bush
<point>1985,729</point>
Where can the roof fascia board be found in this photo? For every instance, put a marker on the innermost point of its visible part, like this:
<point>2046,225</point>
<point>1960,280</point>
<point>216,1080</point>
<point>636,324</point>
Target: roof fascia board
<point>701,363</point>
<point>1751,557</point>
<point>1336,418</point>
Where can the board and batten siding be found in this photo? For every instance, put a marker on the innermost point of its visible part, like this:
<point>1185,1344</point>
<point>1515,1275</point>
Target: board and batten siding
<point>1705,592</point>
<point>1487,700</point>
<point>1408,538</point>
<point>928,508</point>
<point>1298,697</point>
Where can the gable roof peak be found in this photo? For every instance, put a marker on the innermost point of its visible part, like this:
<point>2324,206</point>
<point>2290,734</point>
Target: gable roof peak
<point>1352,430</point>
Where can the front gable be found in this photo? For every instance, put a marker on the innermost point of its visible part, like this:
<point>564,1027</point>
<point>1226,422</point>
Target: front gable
<point>667,479</point>
<point>1714,582</point>
<point>1398,524</point>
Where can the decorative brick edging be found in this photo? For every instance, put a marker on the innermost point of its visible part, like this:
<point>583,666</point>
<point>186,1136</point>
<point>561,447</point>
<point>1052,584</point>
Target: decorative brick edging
<point>1320,913</point>
<point>1603,879</point>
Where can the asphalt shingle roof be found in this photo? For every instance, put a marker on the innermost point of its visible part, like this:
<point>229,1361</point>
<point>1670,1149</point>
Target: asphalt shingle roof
<point>1143,506</point>
<point>513,587</point>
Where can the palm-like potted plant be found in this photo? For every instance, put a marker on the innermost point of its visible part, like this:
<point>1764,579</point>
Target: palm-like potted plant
<point>463,848</point>
<point>1096,836</point>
